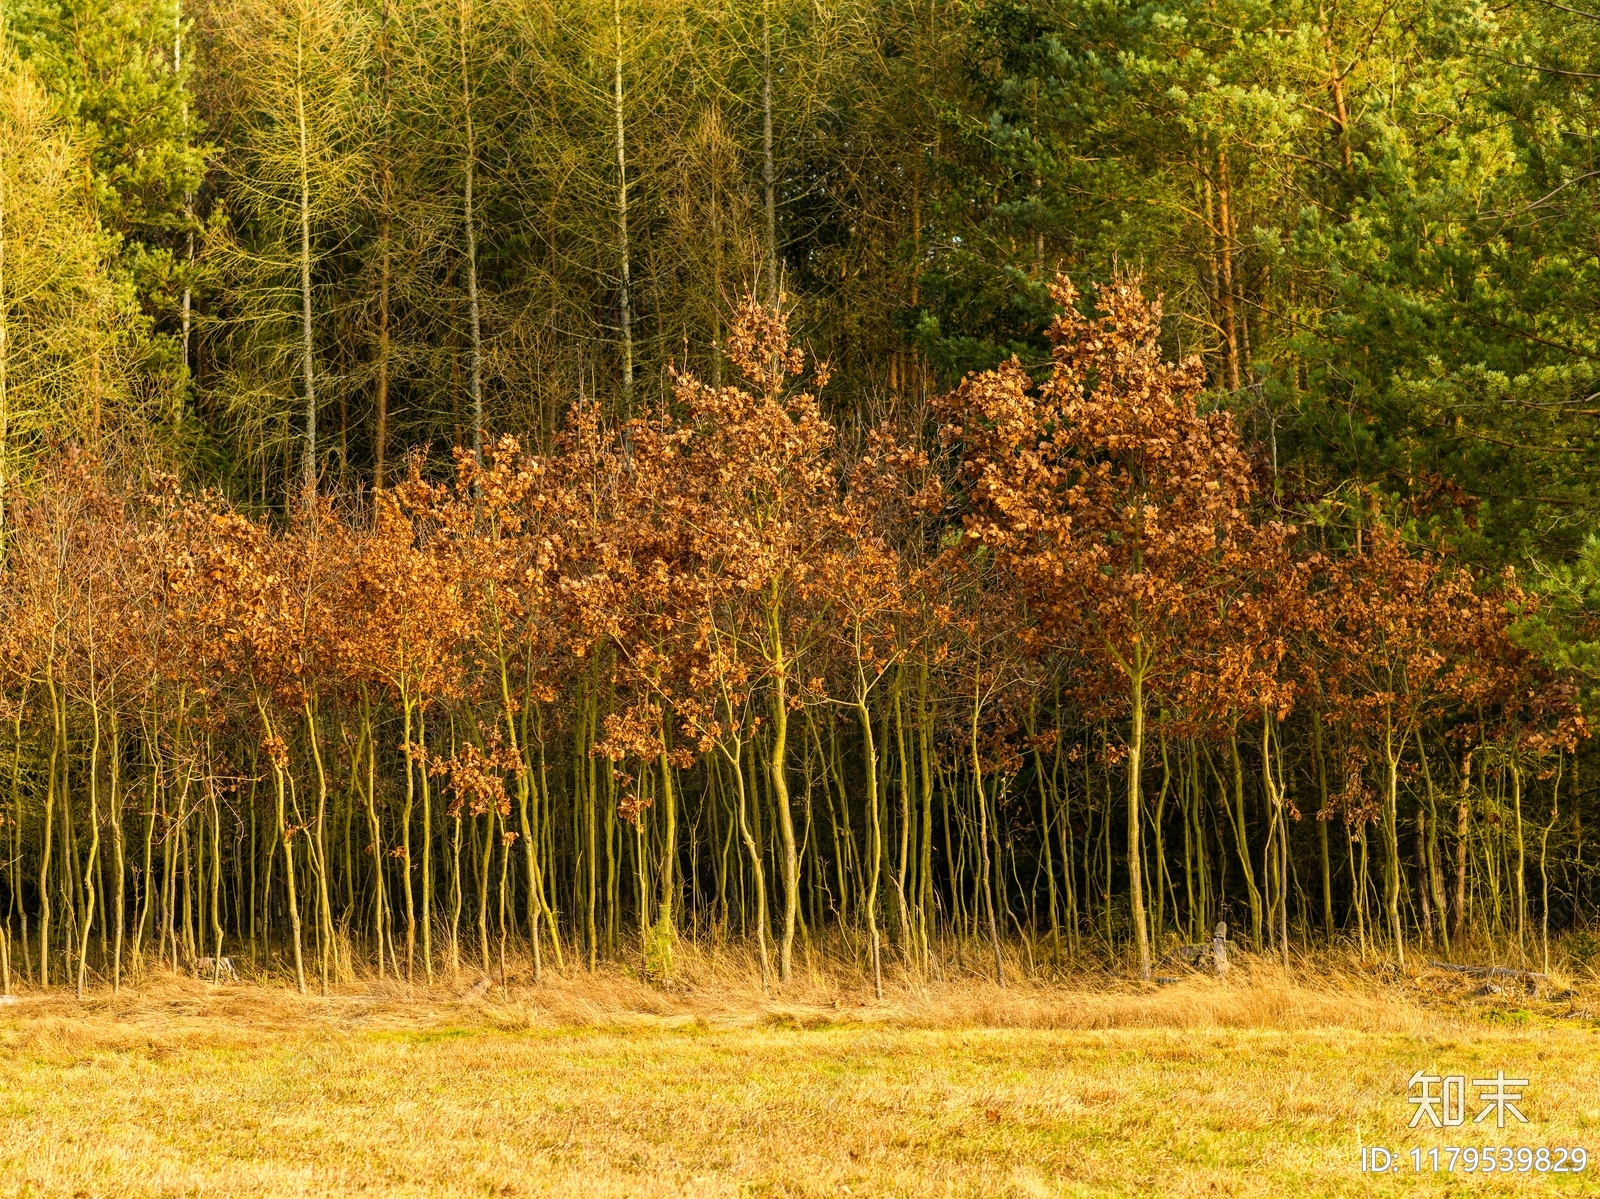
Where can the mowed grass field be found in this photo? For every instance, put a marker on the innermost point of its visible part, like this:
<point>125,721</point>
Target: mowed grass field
<point>598,1085</point>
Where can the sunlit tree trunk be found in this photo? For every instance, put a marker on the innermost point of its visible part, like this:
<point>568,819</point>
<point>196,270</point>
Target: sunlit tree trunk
<point>307,368</point>
<point>908,943</point>
<point>985,884</point>
<point>94,845</point>
<point>870,898</point>
<point>925,777</point>
<point>46,844</point>
<point>317,853</point>
<point>1136,809</point>
<point>286,839</point>
<point>779,774</point>
<point>1458,896</point>
<point>1236,817</point>
<point>667,917</point>
<point>408,715</point>
<point>1277,803</point>
<point>1521,883</point>
<point>1323,817</point>
<point>753,850</point>
<point>118,851</point>
<point>1392,745</point>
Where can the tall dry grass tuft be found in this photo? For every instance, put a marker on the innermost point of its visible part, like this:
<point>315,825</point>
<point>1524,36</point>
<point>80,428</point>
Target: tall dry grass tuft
<point>720,987</point>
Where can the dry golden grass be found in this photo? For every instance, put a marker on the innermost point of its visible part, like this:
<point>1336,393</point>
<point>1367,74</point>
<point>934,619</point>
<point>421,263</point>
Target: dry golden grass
<point>600,1085</point>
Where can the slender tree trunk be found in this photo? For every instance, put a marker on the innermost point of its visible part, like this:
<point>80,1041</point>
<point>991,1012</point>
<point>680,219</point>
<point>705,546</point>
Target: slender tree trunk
<point>118,851</point>
<point>94,848</point>
<point>191,950</point>
<point>1241,835</point>
<point>57,747</point>
<point>1049,857</point>
<point>902,851</point>
<point>1391,840</point>
<point>779,774</point>
<point>469,172</point>
<point>1323,817</point>
<point>591,873</point>
<point>308,370</point>
<point>1158,848</point>
<point>483,892</point>
<point>456,896</point>
<point>380,431</point>
<point>530,855</point>
<point>1360,884</point>
<point>768,174</point>
<point>5,359</point>
<point>317,854</point>
<point>983,833</point>
<point>753,849</point>
<point>405,837</point>
<point>874,871</point>
<point>216,889</point>
<point>1458,896</point>
<point>286,838</point>
<point>624,305</point>
<point>1136,813</point>
<point>1277,804</point>
<point>1522,860</point>
<point>667,918</point>
<point>925,898</point>
<point>146,902</point>
<point>1544,871</point>
<point>188,201</point>
<point>1424,903</point>
<point>537,872</point>
<point>380,889</point>
<point>1225,273</point>
<point>1341,119</point>
<point>1431,884</point>
<point>254,857</point>
<point>427,852</point>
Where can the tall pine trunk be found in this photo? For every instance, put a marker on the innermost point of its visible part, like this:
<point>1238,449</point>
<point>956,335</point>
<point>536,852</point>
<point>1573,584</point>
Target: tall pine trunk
<point>380,398</point>
<point>625,299</point>
<point>469,173</point>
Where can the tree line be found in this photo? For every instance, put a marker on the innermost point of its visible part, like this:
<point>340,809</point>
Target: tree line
<point>290,234</point>
<point>1034,628</point>
<point>1061,685</point>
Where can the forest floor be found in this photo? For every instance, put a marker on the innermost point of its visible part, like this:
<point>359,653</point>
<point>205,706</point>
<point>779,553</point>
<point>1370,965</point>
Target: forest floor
<point>600,1085</point>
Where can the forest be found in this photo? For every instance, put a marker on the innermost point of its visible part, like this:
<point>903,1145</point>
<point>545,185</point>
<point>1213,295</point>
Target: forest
<point>992,487</point>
